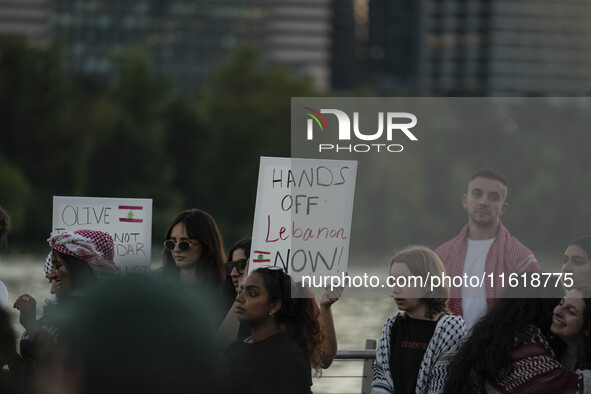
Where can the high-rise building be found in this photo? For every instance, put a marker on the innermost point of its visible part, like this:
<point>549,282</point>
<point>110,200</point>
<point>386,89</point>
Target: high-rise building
<point>298,35</point>
<point>499,48</point>
<point>188,38</point>
<point>343,65</point>
<point>27,18</point>
<point>390,56</point>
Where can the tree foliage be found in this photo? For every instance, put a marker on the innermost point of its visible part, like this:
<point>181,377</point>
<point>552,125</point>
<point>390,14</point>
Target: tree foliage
<point>244,113</point>
<point>130,136</point>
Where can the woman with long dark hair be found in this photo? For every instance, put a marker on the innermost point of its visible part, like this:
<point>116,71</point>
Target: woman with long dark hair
<point>194,250</point>
<point>194,255</point>
<point>286,336</point>
<point>571,322</point>
<point>511,348</point>
<point>237,266</point>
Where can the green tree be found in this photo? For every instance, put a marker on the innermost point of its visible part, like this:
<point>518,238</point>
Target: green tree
<point>129,158</point>
<point>36,104</point>
<point>243,113</point>
<point>16,193</point>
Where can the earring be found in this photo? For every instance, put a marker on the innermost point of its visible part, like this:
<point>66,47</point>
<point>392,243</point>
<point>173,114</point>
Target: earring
<point>271,314</point>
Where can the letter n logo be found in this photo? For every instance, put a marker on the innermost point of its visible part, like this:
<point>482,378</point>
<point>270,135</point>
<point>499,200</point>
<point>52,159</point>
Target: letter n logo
<point>314,116</point>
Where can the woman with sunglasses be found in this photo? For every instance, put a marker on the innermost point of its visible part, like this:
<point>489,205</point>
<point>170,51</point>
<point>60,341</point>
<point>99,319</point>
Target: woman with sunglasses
<point>286,336</point>
<point>194,250</point>
<point>238,258</point>
<point>231,328</point>
<point>194,256</point>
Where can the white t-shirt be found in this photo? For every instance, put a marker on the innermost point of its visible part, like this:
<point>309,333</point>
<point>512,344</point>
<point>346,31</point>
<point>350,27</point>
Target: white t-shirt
<point>474,298</point>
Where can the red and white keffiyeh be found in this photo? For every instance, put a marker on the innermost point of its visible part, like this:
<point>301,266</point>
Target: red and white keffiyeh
<point>535,369</point>
<point>94,247</point>
<point>506,255</point>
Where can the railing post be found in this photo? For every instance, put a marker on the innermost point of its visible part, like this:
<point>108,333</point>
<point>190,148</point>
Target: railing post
<point>370,344</point>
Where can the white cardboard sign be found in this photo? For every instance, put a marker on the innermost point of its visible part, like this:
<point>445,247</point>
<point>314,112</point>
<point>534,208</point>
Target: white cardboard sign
<point>303,215</point>
<point>127,220</point>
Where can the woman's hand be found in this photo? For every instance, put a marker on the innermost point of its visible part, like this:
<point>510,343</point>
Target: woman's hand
<point>329,296</point>
<point>27,305</point>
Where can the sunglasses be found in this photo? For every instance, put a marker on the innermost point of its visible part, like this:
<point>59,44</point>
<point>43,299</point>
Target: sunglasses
<point>239,264</point>
<point>183,245</point>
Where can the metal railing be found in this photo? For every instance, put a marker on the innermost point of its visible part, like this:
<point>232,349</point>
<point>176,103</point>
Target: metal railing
<point>367,356</point>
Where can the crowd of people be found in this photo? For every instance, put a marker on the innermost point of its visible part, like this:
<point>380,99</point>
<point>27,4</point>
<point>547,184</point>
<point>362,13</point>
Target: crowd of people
<point>206,323</point>
<point>522,338</point>
<point>100,332</point>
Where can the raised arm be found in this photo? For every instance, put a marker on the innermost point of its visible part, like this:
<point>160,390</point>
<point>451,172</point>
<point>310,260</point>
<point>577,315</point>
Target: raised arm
<point>327,321</point>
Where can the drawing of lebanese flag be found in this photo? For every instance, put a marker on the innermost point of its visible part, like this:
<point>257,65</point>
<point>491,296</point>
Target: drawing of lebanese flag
<point>129,213</point>
<point>262,257</point>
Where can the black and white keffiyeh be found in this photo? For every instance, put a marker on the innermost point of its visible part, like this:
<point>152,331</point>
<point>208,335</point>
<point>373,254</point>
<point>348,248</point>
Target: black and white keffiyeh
<point>449,335</point>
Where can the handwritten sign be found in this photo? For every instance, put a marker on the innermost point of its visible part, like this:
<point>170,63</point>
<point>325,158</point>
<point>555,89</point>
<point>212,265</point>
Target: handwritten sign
<point>128,221</point>
<point>303,215</point>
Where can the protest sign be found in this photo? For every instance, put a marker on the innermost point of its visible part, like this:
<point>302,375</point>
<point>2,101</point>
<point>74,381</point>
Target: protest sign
<point>127,220</point>
<point>303,215</point>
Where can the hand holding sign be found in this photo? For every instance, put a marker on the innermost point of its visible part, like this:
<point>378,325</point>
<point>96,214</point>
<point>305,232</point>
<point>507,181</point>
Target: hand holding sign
<point>331,294</point>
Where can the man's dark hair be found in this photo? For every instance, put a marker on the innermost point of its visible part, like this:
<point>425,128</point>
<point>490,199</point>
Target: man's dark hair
<point>490,173</point>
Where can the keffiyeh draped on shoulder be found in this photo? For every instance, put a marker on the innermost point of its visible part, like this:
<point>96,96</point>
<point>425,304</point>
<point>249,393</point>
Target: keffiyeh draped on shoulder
<point>449,335</point>
<point>535,369</point>
<point>506,255</point>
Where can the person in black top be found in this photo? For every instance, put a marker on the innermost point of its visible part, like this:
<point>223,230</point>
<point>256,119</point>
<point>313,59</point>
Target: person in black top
<point>232,329</point>
<point>194,256</point>
<point>417,343</point>
<point>272,360</point>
